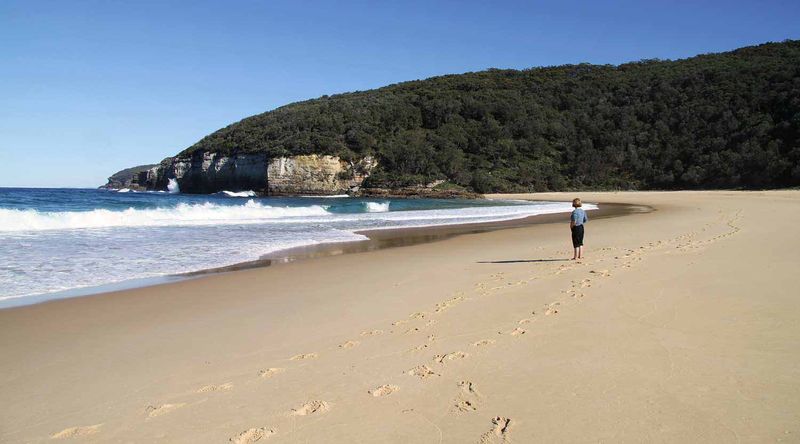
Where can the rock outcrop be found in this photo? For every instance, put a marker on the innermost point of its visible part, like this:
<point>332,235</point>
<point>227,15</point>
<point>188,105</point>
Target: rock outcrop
<point>315,174</point>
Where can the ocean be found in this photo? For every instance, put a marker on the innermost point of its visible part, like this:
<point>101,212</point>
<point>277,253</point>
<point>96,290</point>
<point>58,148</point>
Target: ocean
<point>64,242</point>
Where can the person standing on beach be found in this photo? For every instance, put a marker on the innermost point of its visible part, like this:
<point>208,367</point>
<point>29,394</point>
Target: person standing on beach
<point>576,221</point>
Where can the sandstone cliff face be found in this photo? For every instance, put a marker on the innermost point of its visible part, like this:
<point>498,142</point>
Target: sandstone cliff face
<point>315,174</point>
<point>208,172</point>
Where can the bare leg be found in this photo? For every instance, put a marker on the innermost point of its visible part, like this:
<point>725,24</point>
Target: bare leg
<point>580,252</point>
<point>575,254</point>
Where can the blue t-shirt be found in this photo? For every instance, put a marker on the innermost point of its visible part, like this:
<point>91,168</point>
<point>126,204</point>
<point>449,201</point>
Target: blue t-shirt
<point>579,216</point>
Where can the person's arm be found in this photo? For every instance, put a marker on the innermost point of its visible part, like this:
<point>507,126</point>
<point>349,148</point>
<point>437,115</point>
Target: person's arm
<point>585,217</point>
<point>572,220</point>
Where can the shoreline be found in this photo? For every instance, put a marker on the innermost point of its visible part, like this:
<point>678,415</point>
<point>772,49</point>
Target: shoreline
<point>678,326</point>
<point>377,238</point>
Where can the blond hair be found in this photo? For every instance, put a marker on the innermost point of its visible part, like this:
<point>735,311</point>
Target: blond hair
<point>576,202</point>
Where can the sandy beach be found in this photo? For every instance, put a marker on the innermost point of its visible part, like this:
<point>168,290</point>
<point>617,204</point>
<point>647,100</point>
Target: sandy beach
<point>679,326</point>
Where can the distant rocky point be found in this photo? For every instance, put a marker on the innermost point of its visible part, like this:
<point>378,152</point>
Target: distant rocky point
<point>134,178</point>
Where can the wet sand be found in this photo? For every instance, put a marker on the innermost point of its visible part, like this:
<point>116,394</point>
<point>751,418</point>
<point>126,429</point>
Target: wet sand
<point>678,327</point>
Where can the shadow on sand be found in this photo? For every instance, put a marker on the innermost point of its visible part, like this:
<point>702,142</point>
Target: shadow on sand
<point>521,261</point>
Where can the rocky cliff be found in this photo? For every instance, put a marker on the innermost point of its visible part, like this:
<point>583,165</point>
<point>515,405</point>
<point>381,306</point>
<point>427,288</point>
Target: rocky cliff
<point>210,172</point>
<point>207,172</point>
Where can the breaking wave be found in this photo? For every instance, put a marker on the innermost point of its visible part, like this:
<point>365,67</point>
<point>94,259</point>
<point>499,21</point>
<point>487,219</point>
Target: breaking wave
<point>181,215</point>
<point>376,207</point>
<point>173,187</point>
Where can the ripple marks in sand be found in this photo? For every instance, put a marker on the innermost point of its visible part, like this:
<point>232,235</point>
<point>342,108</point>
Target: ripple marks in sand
<point>304,356</point>
<point>163,409</point>
<point>215,388</point>
<point>252,435</point>
<point>384,390</point>
<point>270,372</point>
<point>74,432</point>
<point>311,408</point>
<point>499,433</point>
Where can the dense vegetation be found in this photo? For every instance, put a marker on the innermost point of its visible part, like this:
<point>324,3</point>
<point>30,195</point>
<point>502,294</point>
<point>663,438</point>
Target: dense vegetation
<point>712,121</point>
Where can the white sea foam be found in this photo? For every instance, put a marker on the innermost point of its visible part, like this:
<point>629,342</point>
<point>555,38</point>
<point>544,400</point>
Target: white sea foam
<point>333,196</point>
<point>124,190</point>
<point>181,215</point>
<point>173,187</point>
<point>376,207</point>
<point>249,193</point>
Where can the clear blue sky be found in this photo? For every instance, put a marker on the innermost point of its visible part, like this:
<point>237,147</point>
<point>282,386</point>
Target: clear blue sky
<point>90,87</point>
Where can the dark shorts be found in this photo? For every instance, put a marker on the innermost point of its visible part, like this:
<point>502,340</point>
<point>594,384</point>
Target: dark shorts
<point>577,236</point>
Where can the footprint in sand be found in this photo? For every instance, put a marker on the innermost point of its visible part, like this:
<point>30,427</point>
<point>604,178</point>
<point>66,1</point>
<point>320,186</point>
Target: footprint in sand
<point>215,388</point>
<point>582,284</point>
<point>349,344</point>
<point>499,433</point>
<point>400,322</point>
<point>418,315</point>
<point>443,359</point>
<point>525,321</point>
<point>163,409</point>
<point>431,338</point>
<point>372,333</point>
<point>442,306</point>
<point>464,406</point>
<point>384,390</point>
<point>467,399</point>
<point>422,372</point>
<point>551,308</point>
<point>483,342</point>
<point>310,408</point>
<point>252,435</point>
<point>418,348</point>
<point>74,432</point>
<point>515,332</point>
<point>270,372</point>
<point>304,356</point>
<point>604,273</point>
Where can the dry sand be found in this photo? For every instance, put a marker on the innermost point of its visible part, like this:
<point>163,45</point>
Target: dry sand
<point>680,326</point>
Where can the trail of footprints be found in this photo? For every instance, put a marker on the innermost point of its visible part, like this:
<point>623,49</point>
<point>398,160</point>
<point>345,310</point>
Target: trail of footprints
<point>468,398</point>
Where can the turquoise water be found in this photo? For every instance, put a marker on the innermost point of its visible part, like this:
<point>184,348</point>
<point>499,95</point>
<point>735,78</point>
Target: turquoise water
<point>53,240</point>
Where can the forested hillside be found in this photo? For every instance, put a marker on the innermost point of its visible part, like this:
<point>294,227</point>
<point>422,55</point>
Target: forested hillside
<point>711,121</point>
